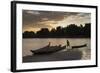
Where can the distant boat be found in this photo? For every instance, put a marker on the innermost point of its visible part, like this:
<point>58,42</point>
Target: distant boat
<point>52,49</point>
<point>48,49</point>
<point>79,46</point>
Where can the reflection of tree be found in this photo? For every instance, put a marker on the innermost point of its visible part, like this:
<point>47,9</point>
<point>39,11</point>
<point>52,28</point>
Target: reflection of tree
<point>71,31</point>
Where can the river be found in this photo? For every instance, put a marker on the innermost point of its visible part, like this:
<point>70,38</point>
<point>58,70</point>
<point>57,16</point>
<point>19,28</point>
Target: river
<point>36,43</point>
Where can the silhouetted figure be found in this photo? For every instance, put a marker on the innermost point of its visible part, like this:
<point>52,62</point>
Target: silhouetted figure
<point>49,44</point>
<point>59,45</point>
<point>68,44</point>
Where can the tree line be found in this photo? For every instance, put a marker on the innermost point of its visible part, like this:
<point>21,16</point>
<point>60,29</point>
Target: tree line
<point>70,31</point>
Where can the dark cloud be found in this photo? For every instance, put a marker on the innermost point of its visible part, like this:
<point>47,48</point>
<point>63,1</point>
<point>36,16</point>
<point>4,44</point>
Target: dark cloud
<point>32,18</point>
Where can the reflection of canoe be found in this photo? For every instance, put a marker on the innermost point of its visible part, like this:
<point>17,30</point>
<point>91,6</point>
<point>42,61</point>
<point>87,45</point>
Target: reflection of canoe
<point>79,46</point>
<point>58,56</point>
<point>48,49</point>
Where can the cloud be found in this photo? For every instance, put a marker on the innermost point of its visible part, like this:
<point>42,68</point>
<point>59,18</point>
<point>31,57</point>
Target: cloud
<point>79,18</point>
<point>32,12</point>
<point>48,19</point>
<point>30,16</point>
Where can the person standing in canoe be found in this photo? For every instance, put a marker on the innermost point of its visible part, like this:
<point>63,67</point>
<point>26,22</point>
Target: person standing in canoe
<point>68,45</point>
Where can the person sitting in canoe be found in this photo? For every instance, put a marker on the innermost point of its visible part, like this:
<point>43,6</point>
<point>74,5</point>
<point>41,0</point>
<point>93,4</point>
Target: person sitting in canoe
<point>49,44</point>
<point>60,45</point>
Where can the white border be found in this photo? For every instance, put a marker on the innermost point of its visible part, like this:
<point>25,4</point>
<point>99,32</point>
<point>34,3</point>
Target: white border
<point>35,65</point>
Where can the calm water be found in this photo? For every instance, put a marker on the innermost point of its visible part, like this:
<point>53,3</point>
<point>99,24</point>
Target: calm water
<point>33,44</point>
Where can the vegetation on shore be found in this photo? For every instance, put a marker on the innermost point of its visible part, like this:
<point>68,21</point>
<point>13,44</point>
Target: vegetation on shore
<point>70,31</point>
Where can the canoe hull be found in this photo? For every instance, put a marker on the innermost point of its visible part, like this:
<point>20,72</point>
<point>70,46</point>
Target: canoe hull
<point>80,46</point>
<point>53,49</point>
<point>48,50</point>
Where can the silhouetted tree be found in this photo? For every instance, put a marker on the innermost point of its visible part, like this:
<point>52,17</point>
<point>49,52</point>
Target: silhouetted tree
<point>28,34</point>
<point>71,31</point>
<point>59,31</point>
<point>53,32</point>
<point>44,32</point>
<point>87,30</point>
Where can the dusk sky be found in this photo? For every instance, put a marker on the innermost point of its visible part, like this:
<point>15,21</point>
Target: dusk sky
<point>35,20</point>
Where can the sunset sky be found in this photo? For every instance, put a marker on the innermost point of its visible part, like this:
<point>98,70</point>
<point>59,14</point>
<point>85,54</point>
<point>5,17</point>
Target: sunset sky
<point>35,20</point>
